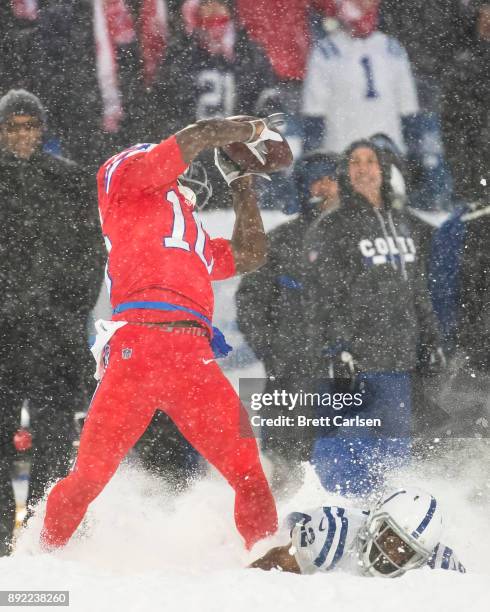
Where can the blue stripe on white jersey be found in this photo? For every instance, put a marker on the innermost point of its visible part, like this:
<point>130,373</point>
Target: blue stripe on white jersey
<point>327,545</point>
<point>322,539</point>
<point>446,558</point>
<point>328,48</point>
<point>115,161</point>
<point>443,557</point>
<point>326,538</point>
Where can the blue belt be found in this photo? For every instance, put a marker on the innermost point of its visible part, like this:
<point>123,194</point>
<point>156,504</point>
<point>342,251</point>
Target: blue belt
<point>218,342</point>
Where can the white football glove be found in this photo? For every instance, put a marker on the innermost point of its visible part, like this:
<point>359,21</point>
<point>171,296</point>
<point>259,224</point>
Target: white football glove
<point>256,144</point>
<point>231,171</point>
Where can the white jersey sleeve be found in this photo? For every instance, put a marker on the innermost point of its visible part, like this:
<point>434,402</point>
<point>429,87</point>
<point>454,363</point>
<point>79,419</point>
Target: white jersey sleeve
<point>316,85</point>
<point>443,557</point>
<point>321,538</point>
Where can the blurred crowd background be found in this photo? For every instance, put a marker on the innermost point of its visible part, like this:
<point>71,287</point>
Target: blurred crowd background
<point>381,277</point>
<point>114,72</point>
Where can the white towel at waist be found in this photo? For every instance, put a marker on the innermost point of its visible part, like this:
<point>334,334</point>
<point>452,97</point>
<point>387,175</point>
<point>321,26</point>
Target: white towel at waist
<point>105,330</point>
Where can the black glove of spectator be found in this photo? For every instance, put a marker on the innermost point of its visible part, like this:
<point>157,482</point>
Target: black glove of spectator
<point>342,367</point>
<point>432,361</point>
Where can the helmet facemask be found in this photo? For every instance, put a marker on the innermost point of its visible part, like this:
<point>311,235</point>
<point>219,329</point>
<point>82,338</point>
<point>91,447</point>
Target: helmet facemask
<point>196,187</point>
<point>400,533</point>
<point>385,550</point>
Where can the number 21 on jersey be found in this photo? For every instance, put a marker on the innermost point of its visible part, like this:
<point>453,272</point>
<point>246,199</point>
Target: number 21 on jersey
<point>177,239</point>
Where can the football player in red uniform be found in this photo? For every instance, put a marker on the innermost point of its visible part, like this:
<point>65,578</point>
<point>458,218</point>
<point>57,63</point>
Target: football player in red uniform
<point>160,267</point>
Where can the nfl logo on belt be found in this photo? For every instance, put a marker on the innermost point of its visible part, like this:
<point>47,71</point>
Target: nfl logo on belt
<point>126,353</point>
<point>105,355</point>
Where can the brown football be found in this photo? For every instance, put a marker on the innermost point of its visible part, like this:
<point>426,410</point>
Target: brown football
<point>279,156</point>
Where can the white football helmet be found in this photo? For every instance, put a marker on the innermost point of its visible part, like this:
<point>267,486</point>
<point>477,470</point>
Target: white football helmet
<point>400,533</point>
<point>194,185</point>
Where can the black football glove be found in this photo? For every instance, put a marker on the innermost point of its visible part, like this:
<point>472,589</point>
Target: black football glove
<point>230,170</point>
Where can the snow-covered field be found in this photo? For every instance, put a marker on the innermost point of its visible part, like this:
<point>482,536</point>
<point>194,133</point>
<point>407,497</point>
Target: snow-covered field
<point>142,548</point>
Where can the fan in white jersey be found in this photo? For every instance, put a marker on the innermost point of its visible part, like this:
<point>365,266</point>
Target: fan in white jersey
<point>400,533</point>
<point>358,82</point>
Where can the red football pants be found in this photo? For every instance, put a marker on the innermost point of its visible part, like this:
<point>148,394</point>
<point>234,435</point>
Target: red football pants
<point>151,369</point>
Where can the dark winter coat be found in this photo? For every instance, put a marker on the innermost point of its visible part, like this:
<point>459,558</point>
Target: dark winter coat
<point>366,287</point>
<point>444,48</point>
<point>270,313</point>
<point>427,30</point>
<point>194,84</point>
<point>50,273</point>
<point>465,110</point>
<point>474,330</point>
<point>271,316</point>
<point>55,58</point>
<point>20,49</point>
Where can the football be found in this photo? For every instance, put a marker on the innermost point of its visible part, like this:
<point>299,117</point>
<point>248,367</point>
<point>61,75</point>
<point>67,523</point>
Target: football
<point>278,154</point>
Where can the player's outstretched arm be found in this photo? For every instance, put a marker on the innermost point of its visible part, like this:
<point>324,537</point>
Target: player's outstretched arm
<point>210,133</point>
<point>248,241</point>
<point>278,558</point>
<point>160,165</point>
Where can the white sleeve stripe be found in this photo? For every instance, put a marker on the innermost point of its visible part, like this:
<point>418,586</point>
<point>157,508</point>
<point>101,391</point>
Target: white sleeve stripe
<point>344,527</point>
<point>438,559</point>
<point>339,541</point>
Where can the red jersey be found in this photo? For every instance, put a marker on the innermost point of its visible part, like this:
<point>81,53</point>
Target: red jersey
<point>158,250</point>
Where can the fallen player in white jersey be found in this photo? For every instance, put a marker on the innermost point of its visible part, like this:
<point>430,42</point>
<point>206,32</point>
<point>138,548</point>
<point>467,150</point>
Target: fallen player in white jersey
<point>401,532</point>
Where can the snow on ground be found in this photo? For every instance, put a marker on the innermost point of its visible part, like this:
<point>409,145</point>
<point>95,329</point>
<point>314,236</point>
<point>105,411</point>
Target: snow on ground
<point>142,548</point>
